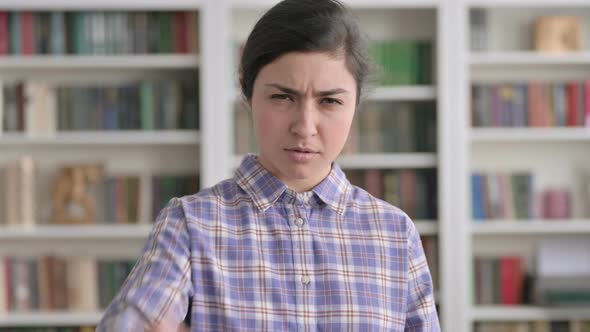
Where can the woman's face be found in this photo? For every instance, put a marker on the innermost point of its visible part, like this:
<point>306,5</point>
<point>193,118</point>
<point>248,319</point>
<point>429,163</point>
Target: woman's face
<point>303,105</point>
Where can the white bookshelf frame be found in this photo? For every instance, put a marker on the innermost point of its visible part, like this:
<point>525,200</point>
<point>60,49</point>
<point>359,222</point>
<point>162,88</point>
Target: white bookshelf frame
<point>524,227</point>
<point>42,319</point>
<point>528,313</point>
<point>94,62</point>
<point>114,137</point>
<point>466,138</point>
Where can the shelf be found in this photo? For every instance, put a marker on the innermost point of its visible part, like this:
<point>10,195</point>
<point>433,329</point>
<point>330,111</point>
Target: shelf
<point>60,318</point>
<point>76,232</point>
<point>359,4</point>
<point>104,5</point>
<point>530,134</point>
<point>528,58</point>
<point>426,227</point>
<point>107,137</point>
<point>518,227</point>
<point>99,62</point>
<point>528,313</point>
<point>527,3</point>
<point>414,93</point>
<point>380,160</point>
<point>388,160</point>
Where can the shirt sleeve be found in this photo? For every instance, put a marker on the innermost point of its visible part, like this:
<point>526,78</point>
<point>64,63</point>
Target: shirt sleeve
<point>421,315</point>
<point>157,291</point>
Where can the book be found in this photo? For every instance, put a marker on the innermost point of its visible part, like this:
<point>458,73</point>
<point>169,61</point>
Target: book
<point>4,33</point>
<point>478,27</point>
<point>82,284</point>
<point>40,110</point>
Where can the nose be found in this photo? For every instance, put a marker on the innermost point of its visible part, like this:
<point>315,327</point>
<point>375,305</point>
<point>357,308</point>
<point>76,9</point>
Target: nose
<point>305,120</point>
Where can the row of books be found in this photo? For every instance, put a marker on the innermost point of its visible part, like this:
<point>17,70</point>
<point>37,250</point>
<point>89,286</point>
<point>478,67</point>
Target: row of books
<point>502,196</point>
<point>536,326</point>
<point>119,196</point>
<point>98,32</point>
<point>400,62</point>
<point>500,280</point>
<point>413,191</point>
<point>51,283</point>
<point>512,196</point>
<point>378,128</point>
<point>40,108</point>
<point>403,62</point>
<point>533,104</point>
<point>393,127</point>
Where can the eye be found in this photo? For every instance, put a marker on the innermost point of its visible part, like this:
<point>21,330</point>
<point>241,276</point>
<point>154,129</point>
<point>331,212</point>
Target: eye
<point>328,100</point>
<point>281,96</point>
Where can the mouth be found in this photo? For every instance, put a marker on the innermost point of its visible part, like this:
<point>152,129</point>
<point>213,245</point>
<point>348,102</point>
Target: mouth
<point>301,150</point>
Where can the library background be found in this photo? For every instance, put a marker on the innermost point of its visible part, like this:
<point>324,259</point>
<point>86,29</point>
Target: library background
<point>479,129</point>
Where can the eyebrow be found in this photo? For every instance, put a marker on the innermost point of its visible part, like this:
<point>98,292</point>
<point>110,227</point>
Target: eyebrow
<point>297,93</point>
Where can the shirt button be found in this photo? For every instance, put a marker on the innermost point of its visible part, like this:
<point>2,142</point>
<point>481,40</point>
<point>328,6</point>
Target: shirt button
<point>299,222</point>
<point>305,280</point>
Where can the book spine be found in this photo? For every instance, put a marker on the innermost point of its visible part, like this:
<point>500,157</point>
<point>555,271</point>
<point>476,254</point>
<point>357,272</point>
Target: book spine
<point>4,33</point>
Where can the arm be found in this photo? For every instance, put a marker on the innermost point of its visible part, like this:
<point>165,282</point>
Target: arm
<point>155,295</point>
<point>421,315</point>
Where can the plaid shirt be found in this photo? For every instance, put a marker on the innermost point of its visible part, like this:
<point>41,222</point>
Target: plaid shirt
<point>253,255</point>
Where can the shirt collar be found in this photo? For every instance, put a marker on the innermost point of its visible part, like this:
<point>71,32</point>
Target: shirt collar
<point>265,189</point>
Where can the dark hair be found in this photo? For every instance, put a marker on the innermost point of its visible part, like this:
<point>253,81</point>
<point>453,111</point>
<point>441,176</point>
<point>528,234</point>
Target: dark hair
<point>305,26</point>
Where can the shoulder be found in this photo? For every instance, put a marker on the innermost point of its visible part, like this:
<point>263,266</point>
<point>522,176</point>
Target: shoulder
<point>210,201</point>
<point>389,217</point>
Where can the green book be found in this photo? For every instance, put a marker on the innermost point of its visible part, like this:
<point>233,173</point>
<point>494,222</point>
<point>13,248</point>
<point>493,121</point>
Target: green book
<point>147,105</point>
<point>402,64</point>
<point>165,32</point>
<point>425,63</point>
<point>80,35</point>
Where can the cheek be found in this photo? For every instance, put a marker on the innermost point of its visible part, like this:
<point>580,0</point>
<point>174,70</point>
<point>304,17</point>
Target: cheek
<point>265,125</point>
<point>339,129</point>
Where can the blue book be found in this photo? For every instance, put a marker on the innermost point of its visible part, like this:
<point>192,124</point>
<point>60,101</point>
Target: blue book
<point>16,39</point>
<point>57,34</point>
<point>477,197</point>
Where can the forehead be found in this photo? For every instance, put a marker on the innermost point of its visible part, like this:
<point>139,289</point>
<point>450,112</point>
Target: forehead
<point>310,67</point>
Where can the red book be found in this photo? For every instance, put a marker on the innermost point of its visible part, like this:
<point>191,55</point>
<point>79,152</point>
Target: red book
<point>28,29</point>
<point>8,285</point>
<point>533,102</point>
<point>512,277</point>
<point>573,104</point>
<point>180,27</point>
<point>408,192</point>
<point>4,34</point>
<point>373,183</point>
<point>20,104</point>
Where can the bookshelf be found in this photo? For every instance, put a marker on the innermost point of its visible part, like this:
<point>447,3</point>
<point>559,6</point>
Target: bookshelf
<point>141,153</point>
<point>555,156</point>
<point>211,150</point>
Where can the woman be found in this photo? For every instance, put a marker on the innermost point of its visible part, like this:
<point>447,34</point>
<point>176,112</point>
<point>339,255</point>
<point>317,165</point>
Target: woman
<point>288,243</point>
